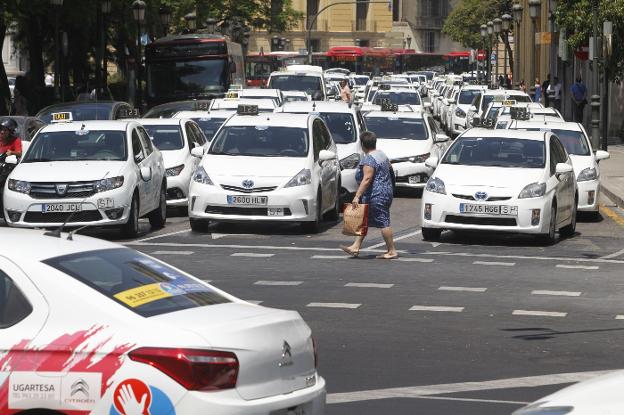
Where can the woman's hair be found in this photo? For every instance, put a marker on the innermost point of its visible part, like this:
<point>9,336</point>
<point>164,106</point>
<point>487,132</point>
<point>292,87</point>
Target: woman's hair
<point>368,140</point>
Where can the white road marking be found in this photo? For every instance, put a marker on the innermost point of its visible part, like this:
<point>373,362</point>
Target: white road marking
<point>256,302</point>
<point>448,398</point>
<point>493,263</point>
<point>219,235</point>
<point>160,236</point>
<point>588,267</point>
<point>619,317</point>
<point>284,283</point>
<point>251,255</point>
<point>400,238</point>
<point>540,258</point>
<point>467,289</point>
<point>330,256</point>
<point>428,390</point>
<point>613,255</point>
<point>368,285</point>
<point>425,260</point>
<point>558,293</point>
<point>538,313</point>
<point>335,305</point>
<point>436,308</point>
<point>173,253</point>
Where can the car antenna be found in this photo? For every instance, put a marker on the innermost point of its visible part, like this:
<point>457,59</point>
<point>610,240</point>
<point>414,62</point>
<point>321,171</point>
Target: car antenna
<point>56,233</point>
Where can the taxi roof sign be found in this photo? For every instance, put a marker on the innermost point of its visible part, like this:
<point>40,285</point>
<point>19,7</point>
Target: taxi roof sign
<point>518,113</point>
<point>243,109</point>
<point>509,102</point>
<point>62,117</point>
<point>386,105</point>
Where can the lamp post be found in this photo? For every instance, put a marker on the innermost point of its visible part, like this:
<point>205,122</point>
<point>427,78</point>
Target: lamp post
<point>57,47</point>
<point>409,42</point>
<point>607,32</point>
<point>490,30</point>
<point>106,6</point>
<point>498,26</point>
<point>484,34</point>
<point>165,18</point>
<point>191,22</point>
<point>211,25</point>
<point>506,26</point>
<point>595,98</point>
<point>552,5</point>
<point>518,10</point>
<point>534,12</point>
<point>138,13</point>
<point>274,43</point>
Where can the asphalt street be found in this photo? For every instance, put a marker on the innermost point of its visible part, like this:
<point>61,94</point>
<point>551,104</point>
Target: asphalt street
<point>474,324</point>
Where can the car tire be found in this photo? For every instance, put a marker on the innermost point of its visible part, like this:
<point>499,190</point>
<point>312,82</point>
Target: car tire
<point>199,225</point>
<point>315,225</point>
<point>334,214</point>
<point>550,237</point>
<point>431,234</point>
<point>158,217</point>
<point>131,228</point>
<point>569,230</point>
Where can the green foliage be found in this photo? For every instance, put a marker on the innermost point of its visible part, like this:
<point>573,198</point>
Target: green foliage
<point>463,24</point>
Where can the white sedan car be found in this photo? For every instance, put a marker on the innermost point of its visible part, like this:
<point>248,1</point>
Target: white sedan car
<point>92,327</point>
<point>175,138</point>
<point>267,167</point>
<point>502,180</point>
<point>88,173</point>
<point>586,162</point>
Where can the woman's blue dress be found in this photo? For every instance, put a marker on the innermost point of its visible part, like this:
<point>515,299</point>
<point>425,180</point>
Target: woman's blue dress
<point>380,192</point>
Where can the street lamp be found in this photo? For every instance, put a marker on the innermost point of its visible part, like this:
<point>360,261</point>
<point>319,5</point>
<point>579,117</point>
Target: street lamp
<point>484,33</point>
<point>498,26</point>
<point>102,81</point>
<point>191,21</point>
<point>490,30</point>
<point>506,26</point>
<point>57,4</point>
<point>534,12</point>
<point>409,42</point>
<point>275,43</point>
<point>518,10</point>
<point>138,12</point>
<point>165,18</point>
<point>211,25</point>
<point>595,97</point>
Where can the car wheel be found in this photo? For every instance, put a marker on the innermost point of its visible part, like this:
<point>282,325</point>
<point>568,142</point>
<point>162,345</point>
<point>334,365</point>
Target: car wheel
<point>158,216</point>
<point>334,214</point>
<point>569,230</point>
<point>315,225</point>
<point>131,228</point>
<point>199,225</point>
<point>549,238</point>
<point>431,234</point>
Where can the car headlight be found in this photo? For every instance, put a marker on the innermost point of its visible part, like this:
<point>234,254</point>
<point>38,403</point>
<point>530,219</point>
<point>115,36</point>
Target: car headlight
<point>538,409</point>
<point>533,190</point>
<point>350,162</point>
<point>302,178</point>
<point>19,186</point>
<point>589,173</point>
<point>419,159</point>
<point>200,176</point>
<point>436,185</point>
<point>174,171</point>
<point>109,183</point>
<point>460,113</point>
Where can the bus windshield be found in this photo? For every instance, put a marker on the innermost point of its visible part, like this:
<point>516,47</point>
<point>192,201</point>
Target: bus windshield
<point>294,82</point>
<point>187,78</point>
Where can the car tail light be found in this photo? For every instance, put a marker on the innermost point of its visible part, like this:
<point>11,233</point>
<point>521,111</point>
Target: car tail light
<point>315,350</point>
<point>195,369</point>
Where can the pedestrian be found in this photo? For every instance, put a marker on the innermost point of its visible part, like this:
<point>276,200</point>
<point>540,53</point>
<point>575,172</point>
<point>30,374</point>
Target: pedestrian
<point>20,96</point>
<point>501,81</point>
<point>375,188</point>
<point>538,91</point>
<point>49,79</point>
<point>345,91</point>
<point>522,86</point>
<point>555,91</point>
<point>545,86</point>
<point>508,82</point>
<point>579,99</point>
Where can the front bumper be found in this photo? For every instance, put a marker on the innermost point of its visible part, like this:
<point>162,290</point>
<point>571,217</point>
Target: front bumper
<point>411,175</point>
<point>178,188</point>
<point>588,192</point>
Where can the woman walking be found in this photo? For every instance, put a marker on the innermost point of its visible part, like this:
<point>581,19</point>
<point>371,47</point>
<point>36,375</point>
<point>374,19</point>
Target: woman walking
<point>375,188</point>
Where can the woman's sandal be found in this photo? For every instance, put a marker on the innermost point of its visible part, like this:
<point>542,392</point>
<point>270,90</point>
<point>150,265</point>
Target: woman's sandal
<point>350,251</point>
<point>387,256</point>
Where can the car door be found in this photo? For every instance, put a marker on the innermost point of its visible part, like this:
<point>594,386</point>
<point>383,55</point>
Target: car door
<point>568,180</point>
<point>437,149</point>
<point>559,184</point>
<point>195,138</point>
<point>140,162</point>
<point>155,163</point>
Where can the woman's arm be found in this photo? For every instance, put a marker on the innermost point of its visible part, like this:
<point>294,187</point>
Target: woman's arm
<point>369,172</point>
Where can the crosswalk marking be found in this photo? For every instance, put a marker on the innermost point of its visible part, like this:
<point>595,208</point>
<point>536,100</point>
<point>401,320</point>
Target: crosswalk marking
<point>538,313</point>
<point>424,260</point>
<point>285,283</point>
<point>329,257</point>
<point>588,267</point>
<point>251,255</point>
<point>334,305</point>
<point>494,263</point>
<point>557,293</point>
<point>173,253</point>
<point>368,285</point>
<point>436,308</point>
<point>468,289</point>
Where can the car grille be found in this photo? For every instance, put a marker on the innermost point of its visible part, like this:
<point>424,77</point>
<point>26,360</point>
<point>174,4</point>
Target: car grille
<point>254,190</point>
<point>422,178</point>
<point>489,199</point>
<point>60,217</point>
<point>175,193</point>
<point>243,211</point>
<point>74,190</point>
<point>476,220</point>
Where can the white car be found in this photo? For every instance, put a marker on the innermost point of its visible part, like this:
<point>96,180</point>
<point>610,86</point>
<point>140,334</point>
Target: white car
<point>408,139</point>
<point>398,96</point>
<point>535,112</point>
<point>495,95</point>
<point>231,104</point>
<point>501,180</point>
<point>300,78</point>
<point>175,138</point>
<point>277,167</point>
<point>92,327</point>
<point>467,96</point>
<point>209,121</point>
<point>262,93</point>
<point>293,96</point>
<point>88,173</point>
<point>345,124</point>
<point>585,161</point>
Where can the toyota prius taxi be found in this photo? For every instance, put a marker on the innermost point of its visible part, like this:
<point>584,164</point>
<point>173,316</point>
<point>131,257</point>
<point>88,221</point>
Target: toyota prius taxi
<point>90,327</point>
<point>502,180</point>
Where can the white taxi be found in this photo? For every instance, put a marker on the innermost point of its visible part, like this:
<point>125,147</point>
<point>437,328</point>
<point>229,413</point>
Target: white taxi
<point>408,139</point>
<point>92,327</point>
<point>468,96</point>
<point>501,180</point>
<point>175,138</point>
<point>345,124</point>
<point>267,167</point>
<point>88,173</point>
<point>586,162</point>
<point>231,104</point>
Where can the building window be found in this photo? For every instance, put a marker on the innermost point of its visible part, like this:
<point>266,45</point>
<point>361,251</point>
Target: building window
<point>315,45</point>
<point>396,10</point>
<point>432,8</point>
<point>361,12</point>
<point>431,41</point>
<point>311,11</point>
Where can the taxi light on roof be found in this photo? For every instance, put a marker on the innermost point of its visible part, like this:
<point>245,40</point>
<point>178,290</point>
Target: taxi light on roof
<point>247,109</point>
<point>201,106</point>
<point>509,102</point>
<point>386,105</point>
<point>62,117</point>
<point>385,87</point>
<point>129,113</point>
<point>518,113</point>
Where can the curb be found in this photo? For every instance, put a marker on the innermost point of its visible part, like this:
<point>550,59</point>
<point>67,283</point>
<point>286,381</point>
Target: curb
<point>611,195</point>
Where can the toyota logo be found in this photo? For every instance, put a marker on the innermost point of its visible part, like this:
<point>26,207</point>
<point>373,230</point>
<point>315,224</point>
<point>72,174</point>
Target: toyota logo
<point>248,184</point>
<point>480,196</point>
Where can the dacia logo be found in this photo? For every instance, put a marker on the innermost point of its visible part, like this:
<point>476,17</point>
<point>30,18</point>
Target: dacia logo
<point>61,189</point>
<point>480,196</point>
<point>248,184</point>
<point>80,386</point>
<point>287,359</point>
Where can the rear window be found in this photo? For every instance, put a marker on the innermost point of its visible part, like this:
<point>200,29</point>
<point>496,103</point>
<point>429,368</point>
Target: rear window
<point>398,128</point>
<point>165,137</point>
<point>136,281</point>
<point>209,125</point>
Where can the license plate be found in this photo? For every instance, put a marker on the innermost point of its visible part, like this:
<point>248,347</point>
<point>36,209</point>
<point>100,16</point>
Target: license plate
<point>61,207</point>
<point>247,200</point>
<point>489,209</point>
<point>275,211</point>
<point>105,203</point>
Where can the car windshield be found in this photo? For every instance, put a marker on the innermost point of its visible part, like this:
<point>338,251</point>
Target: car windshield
<point>179,78</point>
<point>399,98</point>
<point>466,96</point>
<point>209,125</point>
<point>77,145</point>
<point>136,281</point>
<point>397,128</point>
<point>169,109</point>
<point>496,152</point>
<point>261,141</point>
<point>82,112</point>
<point>165,137</point>
<point>574,142</point>
<point>291,82</point>
<point>360,80</point>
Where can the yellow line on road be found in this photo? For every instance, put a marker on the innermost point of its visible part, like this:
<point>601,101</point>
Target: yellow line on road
<point>613,215</point>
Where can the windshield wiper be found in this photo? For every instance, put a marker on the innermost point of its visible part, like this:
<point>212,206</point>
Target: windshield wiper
<point>36,160</point>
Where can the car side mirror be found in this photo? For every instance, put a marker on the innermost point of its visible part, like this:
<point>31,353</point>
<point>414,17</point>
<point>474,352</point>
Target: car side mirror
<point>197,152</point>
<point>441,138</point>
<point>431,162</point>
<point>325,155</point>
<point>11,159</point>
<point>146,174</point>
<point>563,168</point>
<point>600,155</point>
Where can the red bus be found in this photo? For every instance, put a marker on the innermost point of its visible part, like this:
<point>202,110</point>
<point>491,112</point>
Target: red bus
<point>459,62</point>
<point>361,59</point>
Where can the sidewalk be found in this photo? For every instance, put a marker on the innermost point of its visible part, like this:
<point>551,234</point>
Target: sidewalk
<point>612,175</point>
